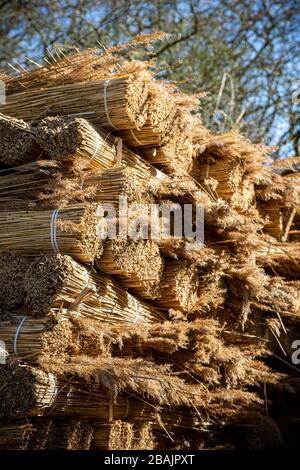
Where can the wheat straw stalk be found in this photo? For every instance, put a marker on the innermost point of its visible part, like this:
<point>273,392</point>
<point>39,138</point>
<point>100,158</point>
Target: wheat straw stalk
<point>17,144</point>
<point>179,288</point>
<point>72,230</point>
<point>59,281</point>
<point>117,103</point>
<point>137,265</point>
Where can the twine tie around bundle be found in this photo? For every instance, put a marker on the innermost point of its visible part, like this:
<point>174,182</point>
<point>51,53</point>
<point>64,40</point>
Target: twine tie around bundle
<point>17,334</point>
<point>53,238</point>
<point>106,106</point>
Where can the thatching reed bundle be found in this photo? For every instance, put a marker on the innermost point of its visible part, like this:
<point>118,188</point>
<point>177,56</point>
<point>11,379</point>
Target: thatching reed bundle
<point>112,184</point>
<point>171,158</point>
<point>117,103</point>
<point>80,66</point>
<point>229,166</point>
<point>45,434</point>
<point>179,287</point>
<point>74,230</point>
<point>37,392</point>
<point>12,272</point>
<point>163,119</point>
<point>73,434</point>
<point>16,435</point>
<point>43,184</point>
<point>17,144</point>
<point>281,258</point>
<point>136,264</point>
<point>75,142</point>
<point>59,281</point>
<point>122,435</point>
<point>40,185</point>
<point>76,397</point>
<point>286,166</point>
<point>24,387</point>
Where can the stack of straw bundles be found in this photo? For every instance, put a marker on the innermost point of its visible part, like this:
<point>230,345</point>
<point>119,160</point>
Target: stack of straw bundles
<point>118,103</point>
<point>58,281</point>
<point>17,144</point>
<point>137,265</point>
<point>74,230</point>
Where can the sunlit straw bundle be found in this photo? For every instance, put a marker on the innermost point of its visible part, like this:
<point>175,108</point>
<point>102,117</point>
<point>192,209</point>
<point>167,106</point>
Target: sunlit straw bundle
<point>229,166</point>
<point>43,184</point>
<point>174,157</point>
<point>17,144</point>
<point>117,103</point>
<point>162,117</point>
<point>179,288</point>
<point>75,142</point>
<point>112,184</point>
<point>74,230</point>
<point>12,272</point>
<point>122,435</point>
<point>137,265</point>
<point>59,281</point>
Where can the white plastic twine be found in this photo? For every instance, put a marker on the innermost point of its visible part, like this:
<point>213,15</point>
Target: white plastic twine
<point>105,105</point>
<point>135,137</point>
<point>53,231</point>
<point>97,147</point>
<point>17,335</point>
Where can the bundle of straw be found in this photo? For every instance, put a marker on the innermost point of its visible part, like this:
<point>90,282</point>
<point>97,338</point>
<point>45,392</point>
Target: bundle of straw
<point>74,230</point>
<point>17,144</point>
<point>112,184</point>
<point>73,434</point>
<point>75,142</point>
<point>59,281</point>
<point>16,435</point>
<point>12,272</point>
<point>229,166</point>
<point>117,103</point>
<point>174,157</point>
<point>45,434</point>
<point>282,258</point>
<point>166,119</point>
<point>137,265</point>
<point>23,388</point>
<point>42,184</point>
<point>179,288</point>
<point>122,435</point>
